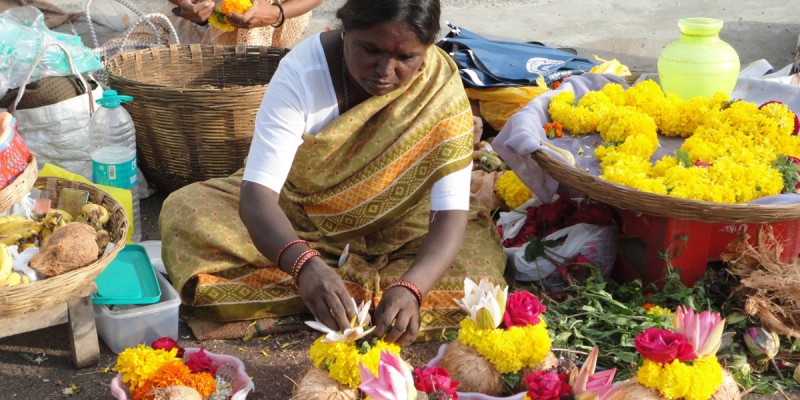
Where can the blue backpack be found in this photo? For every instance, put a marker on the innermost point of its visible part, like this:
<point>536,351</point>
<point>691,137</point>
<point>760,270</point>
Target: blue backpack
<point>485,63</point>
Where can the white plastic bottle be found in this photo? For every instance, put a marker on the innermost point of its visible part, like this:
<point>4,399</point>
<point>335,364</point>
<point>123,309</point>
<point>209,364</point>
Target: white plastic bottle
<point>114,154</point>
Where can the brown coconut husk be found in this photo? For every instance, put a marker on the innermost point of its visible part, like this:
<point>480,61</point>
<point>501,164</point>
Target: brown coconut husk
<point>632,390</point>
<point>550,362</point>
<point>316,384</point>
<point>473,372</point>
<point>768,286</point>
<point>70,247</point>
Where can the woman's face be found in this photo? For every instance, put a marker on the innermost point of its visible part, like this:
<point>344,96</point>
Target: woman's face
<point>384,57</point>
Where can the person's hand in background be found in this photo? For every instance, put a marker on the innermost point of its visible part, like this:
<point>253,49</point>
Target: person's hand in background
<point>197,11</point>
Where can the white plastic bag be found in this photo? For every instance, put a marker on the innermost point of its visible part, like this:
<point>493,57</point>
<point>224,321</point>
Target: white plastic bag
<point>512,222</point>
<point>598,243</point>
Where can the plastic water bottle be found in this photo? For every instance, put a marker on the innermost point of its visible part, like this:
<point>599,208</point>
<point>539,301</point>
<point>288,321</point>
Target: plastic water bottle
<point>114,154</point>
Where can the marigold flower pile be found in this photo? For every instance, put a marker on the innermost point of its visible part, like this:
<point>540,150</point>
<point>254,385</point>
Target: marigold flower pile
<point>219,17</point>
<point>729,154</point>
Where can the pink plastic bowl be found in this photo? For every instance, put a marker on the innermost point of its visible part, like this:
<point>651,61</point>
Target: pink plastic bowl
<point>242,384</point>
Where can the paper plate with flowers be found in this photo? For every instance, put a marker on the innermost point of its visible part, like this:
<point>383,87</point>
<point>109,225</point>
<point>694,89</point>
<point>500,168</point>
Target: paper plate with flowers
<point>682,363</point>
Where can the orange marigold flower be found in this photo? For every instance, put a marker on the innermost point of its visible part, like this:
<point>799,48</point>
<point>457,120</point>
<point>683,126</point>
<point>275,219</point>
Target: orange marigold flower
<point>203,382</point>
<point>554,129</point>
<point>174,373</point>
<point>141,392</point>
<point>648,306</point>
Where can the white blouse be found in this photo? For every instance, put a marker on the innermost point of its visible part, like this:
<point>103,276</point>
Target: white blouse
<point>300,98</point>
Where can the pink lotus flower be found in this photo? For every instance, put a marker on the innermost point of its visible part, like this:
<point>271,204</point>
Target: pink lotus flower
<point>546,385</point>
<point>663,346</point>
<point>167,343</point>
<point>522,308</point>
<point>703,331</point>
<point>435,380</point>
<point>588,385</point>
<point>393,382</point>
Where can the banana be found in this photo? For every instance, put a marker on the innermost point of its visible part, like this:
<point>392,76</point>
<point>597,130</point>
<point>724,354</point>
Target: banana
<point>20,226</point>
<point>44,235</point>
<point>14,279</point>
<point>56,218</point>
<point>25,246</point>
<point>11,218</point>
<point>94,214</point>
<point>14,239</point>
<point>103,239</point>
<point>6,262</point>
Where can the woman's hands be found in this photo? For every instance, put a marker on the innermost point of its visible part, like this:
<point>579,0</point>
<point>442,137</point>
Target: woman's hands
<point>323,292</point>
<point>397,317</point>
<point>262,13</point>
<point>197,11</point>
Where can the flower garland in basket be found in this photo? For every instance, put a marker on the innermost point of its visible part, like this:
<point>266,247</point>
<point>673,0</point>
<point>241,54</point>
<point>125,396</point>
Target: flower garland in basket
<point>503,337</point>
<point>219,17</point>
<point>163,367</point>
<point>340,354</point>
<point>734,152</point>
<point>682,363</point>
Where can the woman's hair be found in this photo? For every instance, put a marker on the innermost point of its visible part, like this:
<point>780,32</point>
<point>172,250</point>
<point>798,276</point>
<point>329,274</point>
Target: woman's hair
<point>421,15</point>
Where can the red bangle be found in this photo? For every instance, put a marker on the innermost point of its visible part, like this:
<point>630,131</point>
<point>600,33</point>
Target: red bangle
<point>300,262</point>
<point>284,248</point>
<point>411,286</point>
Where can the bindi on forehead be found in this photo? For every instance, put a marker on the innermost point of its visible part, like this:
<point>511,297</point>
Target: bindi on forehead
<point>394,46</point>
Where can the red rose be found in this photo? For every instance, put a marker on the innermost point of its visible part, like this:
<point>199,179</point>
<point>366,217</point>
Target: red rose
<point>661,345</point>
<point>545,385</point>
<point>551,216</point>
<point>591,212</point>
<point>167,344</point>
<point>201,362</point>
<point>435,380</point>
<point>522,308</point>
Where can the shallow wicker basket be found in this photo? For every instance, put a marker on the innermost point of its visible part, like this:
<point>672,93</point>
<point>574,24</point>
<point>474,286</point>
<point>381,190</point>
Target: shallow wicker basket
<point>25,298</point>
<point>660,205</point>
<point>193,107</point>
<point>21,186</point>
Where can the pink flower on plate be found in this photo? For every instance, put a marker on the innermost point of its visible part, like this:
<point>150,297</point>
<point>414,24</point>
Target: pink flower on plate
<point>546,385</point>
<point>702,330</point>
<point>522,308</point>
<point>393,382</point>
<point>201,362</point>
<point>663,346</point>
<point>590,385</point>
<point>167,343</point>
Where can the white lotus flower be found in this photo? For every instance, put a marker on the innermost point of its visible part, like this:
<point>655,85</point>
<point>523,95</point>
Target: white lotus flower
<point>485,303</point>
<point>357,328</point>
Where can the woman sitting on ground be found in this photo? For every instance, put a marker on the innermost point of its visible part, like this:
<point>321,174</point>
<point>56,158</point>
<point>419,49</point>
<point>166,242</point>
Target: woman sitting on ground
<point>362,152</point>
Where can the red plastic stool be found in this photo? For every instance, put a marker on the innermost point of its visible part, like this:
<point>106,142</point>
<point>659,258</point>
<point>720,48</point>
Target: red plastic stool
<point>704,242</point>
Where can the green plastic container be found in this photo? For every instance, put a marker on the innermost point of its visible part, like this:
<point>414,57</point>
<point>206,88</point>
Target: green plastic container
<point>128,279</point>
<point>698,63</point>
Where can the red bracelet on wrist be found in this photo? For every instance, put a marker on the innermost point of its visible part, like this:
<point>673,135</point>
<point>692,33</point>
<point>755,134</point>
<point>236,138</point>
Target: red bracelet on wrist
<point>411,286</point>
<point>300,262</point>
<point>284,248</point>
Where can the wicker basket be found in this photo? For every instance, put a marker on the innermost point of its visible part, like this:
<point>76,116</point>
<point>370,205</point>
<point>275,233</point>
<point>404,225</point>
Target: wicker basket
<point>660,205</point>
<point>193,107</point>
<point>21,186</point>
<point>29,297</point>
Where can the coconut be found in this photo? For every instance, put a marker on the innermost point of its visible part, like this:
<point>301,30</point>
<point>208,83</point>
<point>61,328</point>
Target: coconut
<point>316,384</point>
<point>70,247</point>
<point>728,390</point>
<point>550,362</point>
<point>473,372</point>
<point>174,392</point>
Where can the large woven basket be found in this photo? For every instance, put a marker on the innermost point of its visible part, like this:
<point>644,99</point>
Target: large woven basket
<point>21,186</point>
<point>194,107</point>
<point>660,205</point>
<point>42,294</point>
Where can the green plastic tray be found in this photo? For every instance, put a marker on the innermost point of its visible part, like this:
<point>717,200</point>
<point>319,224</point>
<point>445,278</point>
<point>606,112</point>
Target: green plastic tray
<point>128,279</point>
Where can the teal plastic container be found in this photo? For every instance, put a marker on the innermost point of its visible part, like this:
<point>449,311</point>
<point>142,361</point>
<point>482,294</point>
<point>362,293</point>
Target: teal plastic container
<point>128,279</point>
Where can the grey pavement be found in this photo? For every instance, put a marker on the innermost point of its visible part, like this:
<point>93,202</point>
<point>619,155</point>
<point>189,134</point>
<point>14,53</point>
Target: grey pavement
<point>634,32</point>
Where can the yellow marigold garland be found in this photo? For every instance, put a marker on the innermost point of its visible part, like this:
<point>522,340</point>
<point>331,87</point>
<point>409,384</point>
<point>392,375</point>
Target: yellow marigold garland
<point>511,190</point>
<point>695,380</point>
<point>219,18</point>
<point>509,350</point>
<point>141,363</point>
<point>341,359</point>
<point>737,141</point>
